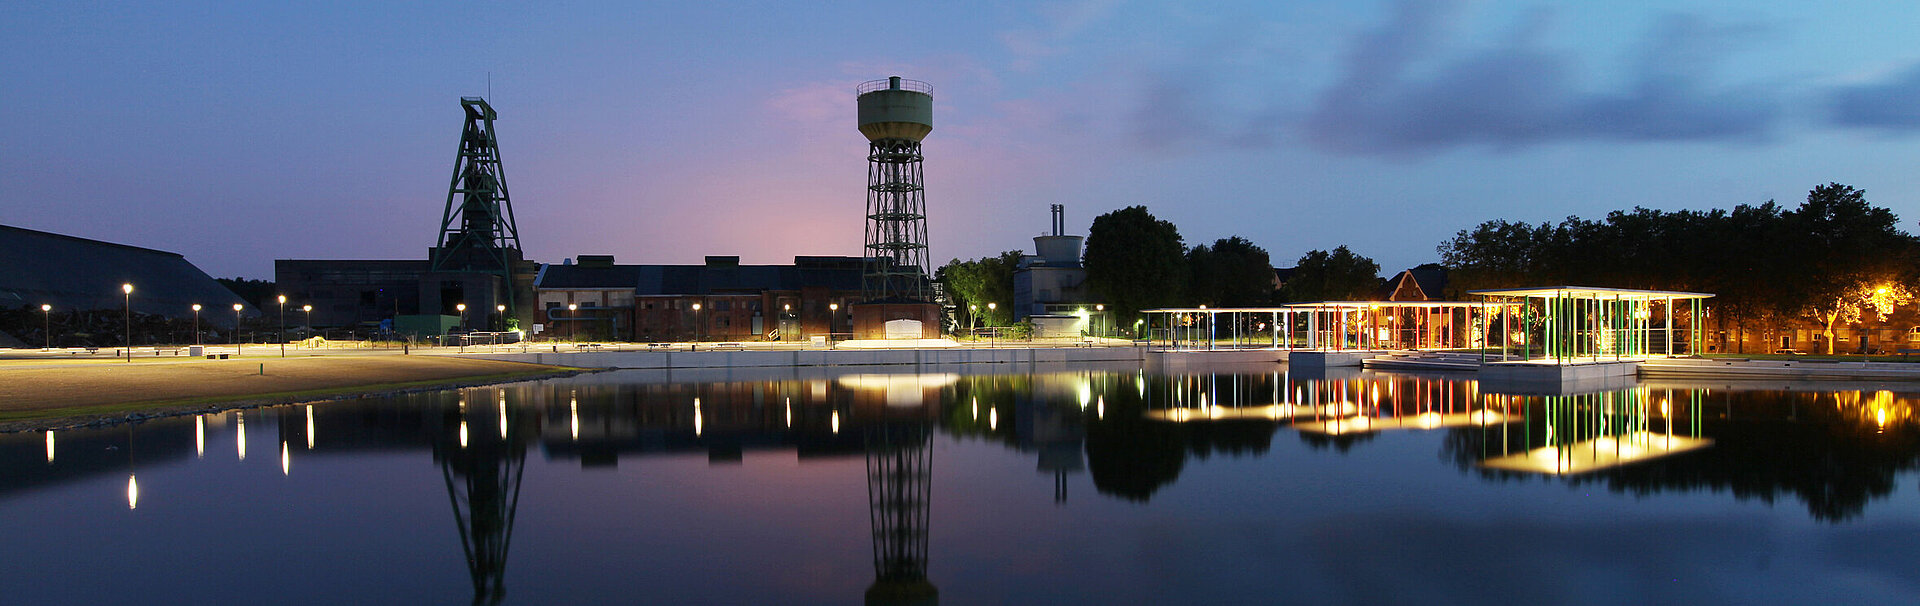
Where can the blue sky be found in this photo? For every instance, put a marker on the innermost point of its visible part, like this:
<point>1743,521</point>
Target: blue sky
<point>661,132</point>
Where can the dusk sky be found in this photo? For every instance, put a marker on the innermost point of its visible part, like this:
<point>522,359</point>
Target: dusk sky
<point>660,132</point>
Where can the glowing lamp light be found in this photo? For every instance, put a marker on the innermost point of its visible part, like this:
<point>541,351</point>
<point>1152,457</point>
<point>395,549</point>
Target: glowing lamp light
<point>286,460</point>
<point>133,492</point>
<point>836,421</point>
<point>126,288</point>
<point>463,434</point>
<point>49,446</point>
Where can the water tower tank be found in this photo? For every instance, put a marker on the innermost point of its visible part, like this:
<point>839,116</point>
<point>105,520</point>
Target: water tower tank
<point>896,108</point>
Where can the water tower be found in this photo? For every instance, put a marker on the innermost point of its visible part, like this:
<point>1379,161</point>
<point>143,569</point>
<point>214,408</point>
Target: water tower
<point>895,115</point>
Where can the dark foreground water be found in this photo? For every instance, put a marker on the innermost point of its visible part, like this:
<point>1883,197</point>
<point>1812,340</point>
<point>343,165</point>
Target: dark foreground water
<point>1102,486</point>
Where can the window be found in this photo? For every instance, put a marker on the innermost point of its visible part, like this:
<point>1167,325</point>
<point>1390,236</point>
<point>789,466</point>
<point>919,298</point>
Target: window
<point>1913,334</point>
<point>1786,342</point>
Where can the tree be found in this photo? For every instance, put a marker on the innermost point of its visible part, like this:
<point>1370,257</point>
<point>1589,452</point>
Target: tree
<point>1851,257</point>
<point>1850,305</point>
<point>1232,273</point>
<point>974,284</point>
<point>1336,276</point>
<point>1134,262</point>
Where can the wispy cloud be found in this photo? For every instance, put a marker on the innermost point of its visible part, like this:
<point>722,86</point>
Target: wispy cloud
<point>1404,91</point>
<point>1890,105</point>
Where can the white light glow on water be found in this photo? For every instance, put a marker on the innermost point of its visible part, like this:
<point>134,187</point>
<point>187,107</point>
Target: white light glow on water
<point>200,436</point>
<point>993,418</point>
<point>836,421</point>
<point>1100,408</point>
<point>240,435</point>
<point>573,418</point>
<point>49,446</point>
<point>698,422</point>
<point>463,434</point>
<point>309,427</point>
<point>133,492</point>
<point>286,460</point>
<point>503,417</point>
<point>789,405</point>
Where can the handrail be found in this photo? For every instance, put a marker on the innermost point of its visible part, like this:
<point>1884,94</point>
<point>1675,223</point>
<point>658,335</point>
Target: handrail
<point>887,84</point>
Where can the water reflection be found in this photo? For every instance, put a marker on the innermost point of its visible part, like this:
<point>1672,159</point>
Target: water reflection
<point>1131,433</point>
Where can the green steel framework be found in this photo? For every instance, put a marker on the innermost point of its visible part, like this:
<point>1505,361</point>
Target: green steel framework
<point>1590,324</point>
<point>477,230</point>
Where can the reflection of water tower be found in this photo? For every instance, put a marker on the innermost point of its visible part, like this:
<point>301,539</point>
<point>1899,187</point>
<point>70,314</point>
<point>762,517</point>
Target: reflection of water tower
<point>895,114</point>
<point>899,487</point>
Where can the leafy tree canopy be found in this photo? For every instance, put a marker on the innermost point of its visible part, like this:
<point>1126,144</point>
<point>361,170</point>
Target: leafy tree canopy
<point>1332,276</point>
<point>1232,273</point>
<point>1135,261</point>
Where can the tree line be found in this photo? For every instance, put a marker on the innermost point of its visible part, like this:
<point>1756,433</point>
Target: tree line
<point>1136,261</point>
<point>1834,260</point>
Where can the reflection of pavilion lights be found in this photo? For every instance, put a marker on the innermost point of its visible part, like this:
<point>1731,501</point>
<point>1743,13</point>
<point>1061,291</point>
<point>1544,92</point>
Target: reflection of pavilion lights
<point>286,460</point>
<point>49,446</point>
<point>309,427</point>
<point>200,436</point>
<point>1428,420</point>
<point>697,421</point>
<point>463,433</point>
<point>240,434</point>
<point>1486,417</point>
<point>133,492</point>
<point>836,421</point>
<point>1140,383</point>
<point>1086,393</point>
<point>1880,419</point>
<point>1666,408</point>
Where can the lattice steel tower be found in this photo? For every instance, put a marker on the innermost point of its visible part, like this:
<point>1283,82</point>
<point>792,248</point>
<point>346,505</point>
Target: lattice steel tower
<point>895,114</point>
<point>477,231</point>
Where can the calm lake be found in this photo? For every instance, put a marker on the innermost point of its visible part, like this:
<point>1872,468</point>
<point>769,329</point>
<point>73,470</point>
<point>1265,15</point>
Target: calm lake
<point>970,485</point>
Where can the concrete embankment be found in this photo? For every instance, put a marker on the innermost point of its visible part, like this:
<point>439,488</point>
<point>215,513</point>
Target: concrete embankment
<point>823,357</point>
<point>1779,370</point>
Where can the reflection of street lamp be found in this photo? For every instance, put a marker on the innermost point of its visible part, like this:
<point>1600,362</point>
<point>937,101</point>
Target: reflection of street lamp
<point>282,337</point>
<point>47,325</point>
<point>696,321</point>
<point>128,289</point>
<point>236,329</point>
<point>196,325</point>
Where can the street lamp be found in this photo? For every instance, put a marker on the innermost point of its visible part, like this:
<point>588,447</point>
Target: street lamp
<point>990,307</point>
<point>462,308</point>
<point>236,329</point>
<point>833,317</point>
<point>502,312</point>
<point>696,322</point>
<point>571,307</point>
<point>973,316</point>
<point>47,325</point>
<point>196,325</point>
<point>128,290</point>
<point>282,338</point>
<point>1102,309</point>
<point>786,315</point>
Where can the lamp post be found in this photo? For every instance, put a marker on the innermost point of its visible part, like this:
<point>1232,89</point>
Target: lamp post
<point>236,329</point>
<point>571,307</point>
<point>696,322</point>
<point>973,317</point>
<point>309,309</point>
<point>462,308</point>
<point>46,312</point>
<point>833,317</point>
<point>128,290</point>
<point>786,322</point>
<point>282,338</point>
<point>1101,308</point>
<point>196,325</point>
<point>501,310</point>
<point>990,307</point>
